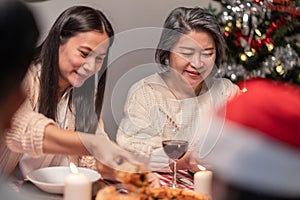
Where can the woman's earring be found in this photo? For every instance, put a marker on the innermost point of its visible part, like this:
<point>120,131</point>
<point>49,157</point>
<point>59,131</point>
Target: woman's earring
<point>167,62</point>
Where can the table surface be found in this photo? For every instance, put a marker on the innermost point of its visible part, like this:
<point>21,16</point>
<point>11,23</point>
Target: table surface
<point>184,180</point>
<point>30,191</point>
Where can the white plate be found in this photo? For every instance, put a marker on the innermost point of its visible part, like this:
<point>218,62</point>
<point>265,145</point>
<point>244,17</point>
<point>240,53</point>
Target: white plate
<point>51,179</point>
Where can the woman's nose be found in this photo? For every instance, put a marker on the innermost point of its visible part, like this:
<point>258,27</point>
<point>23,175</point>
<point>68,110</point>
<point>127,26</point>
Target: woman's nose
<point>90,66</point>
<point>196,61</point>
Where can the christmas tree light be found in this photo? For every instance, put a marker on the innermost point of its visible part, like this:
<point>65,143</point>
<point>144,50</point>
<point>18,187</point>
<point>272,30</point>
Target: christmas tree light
<point>262,38</point>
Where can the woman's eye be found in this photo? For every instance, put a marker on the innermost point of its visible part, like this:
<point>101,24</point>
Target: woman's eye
<point>84,54</point>
<point>186,54</point>
<point>99,59</point>
<point>206,55</point>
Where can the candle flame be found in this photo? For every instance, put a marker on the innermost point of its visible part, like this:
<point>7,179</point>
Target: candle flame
<point>201,167</point>
<point>73,168</point>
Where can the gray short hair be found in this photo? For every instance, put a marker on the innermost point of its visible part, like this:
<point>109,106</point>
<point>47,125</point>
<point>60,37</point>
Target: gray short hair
<point>183,20</point>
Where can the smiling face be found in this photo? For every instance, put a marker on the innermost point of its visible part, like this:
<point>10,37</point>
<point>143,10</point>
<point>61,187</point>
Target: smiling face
<point>81,57</point>
<point>193,56</point>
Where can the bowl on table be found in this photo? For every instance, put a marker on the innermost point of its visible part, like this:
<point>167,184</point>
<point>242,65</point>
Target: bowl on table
<point>51,179</point>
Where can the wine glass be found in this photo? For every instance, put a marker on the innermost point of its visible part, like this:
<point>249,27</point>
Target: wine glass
<point>175,149</point>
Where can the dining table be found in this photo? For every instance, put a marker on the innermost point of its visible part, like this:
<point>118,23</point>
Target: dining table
<point>184,179</point>
<point>28,189</point>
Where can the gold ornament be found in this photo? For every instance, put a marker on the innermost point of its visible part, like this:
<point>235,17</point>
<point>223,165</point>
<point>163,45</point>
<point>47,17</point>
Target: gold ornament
<point>279,69</point>
<point>243,57</point>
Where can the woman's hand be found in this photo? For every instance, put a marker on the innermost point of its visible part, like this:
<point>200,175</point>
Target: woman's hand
<point>106,151</point>
<point>110,174</point>
<point>189,161</point>
<point>106,172</point>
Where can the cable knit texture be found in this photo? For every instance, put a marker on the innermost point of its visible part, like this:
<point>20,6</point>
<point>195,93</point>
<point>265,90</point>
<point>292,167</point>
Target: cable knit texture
<point>27,132</point>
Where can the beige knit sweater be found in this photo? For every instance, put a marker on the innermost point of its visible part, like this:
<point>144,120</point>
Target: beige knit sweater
<point>153,112</point>
<point>27,129</point>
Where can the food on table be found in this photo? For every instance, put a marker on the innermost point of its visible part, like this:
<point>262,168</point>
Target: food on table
<point>110,193</point>
<point>134,176</point>
<point>146,193</point>
<point>134,179</point>
<point>170,194</point>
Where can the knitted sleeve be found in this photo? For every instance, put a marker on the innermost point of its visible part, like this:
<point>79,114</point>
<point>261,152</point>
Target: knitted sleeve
<point>27,131</point>
<point>27,126</point>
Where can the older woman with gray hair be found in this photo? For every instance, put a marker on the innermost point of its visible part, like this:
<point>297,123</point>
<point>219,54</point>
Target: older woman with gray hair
<point>179,101</point>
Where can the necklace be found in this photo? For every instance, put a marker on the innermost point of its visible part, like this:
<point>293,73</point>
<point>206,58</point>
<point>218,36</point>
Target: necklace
<point>171,121</point>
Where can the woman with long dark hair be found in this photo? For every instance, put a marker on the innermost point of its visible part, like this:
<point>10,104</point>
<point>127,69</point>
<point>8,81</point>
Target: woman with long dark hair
<point>74,50</point>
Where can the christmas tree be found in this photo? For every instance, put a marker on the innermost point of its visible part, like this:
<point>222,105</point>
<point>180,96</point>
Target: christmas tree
<point>262,37</point>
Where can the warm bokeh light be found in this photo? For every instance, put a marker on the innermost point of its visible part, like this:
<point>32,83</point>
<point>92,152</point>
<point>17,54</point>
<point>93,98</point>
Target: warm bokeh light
<point>243,57</point>
<point>279,69</point>
<point>249,53</point>
<point>270,46</point>
<point>227,29</point>
<point>258,32</point>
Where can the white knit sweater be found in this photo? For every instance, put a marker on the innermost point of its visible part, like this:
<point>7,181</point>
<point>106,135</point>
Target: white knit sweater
<point>153,112</point>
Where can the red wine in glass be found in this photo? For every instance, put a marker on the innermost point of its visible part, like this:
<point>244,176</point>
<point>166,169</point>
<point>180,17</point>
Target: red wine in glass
<point>175,149</point>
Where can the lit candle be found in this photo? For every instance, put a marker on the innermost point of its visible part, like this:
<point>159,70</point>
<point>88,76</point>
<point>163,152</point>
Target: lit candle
<point>202,181</point>
<point>77,185</point>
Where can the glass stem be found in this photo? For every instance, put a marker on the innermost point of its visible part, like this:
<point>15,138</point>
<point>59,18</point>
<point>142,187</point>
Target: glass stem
<point>174,175</point>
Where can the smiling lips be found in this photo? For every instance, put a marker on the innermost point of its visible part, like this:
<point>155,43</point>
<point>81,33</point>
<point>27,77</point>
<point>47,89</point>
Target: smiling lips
<point>193,73</point>
<point>82,75</point>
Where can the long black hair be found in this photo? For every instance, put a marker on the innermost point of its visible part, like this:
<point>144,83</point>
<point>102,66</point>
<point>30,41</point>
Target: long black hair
<point>72,21</point>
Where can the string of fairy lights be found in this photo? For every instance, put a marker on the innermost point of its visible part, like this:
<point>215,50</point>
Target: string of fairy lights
<point>262,39</point>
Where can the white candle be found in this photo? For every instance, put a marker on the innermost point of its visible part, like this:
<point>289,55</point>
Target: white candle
<point>202,182</point>
<point>77,185</point>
